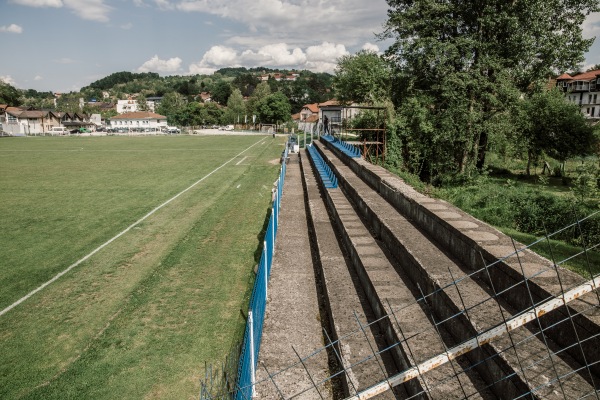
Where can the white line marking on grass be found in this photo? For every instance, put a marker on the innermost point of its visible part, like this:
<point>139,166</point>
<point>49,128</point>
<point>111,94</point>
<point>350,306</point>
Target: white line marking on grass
<point>239,162</point>
<point>57,276</point>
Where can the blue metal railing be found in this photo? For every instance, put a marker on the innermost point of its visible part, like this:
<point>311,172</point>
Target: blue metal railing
<point>258,299</point>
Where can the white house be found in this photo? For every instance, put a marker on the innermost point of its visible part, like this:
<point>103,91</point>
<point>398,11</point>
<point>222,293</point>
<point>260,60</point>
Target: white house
<point>139,121</point>
<point>126,106</point>
<point>18,121</point>
<point>584,90</point>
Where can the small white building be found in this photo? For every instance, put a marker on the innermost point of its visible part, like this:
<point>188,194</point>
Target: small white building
<point>139,121</point>
<point>126,106</point>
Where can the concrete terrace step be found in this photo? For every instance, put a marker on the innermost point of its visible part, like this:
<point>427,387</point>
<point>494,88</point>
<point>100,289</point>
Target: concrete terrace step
<point>575,328</point>
<point>386,288</point>
<point>432,269</point>
<point>345,302</point>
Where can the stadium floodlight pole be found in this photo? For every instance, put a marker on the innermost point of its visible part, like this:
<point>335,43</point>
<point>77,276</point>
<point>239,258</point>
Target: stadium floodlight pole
<point>479,340</point>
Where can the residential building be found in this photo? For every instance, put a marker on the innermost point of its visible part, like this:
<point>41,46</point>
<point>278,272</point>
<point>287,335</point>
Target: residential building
<point>583,90</point>
<point>336,113</point>
<point>139,121</point>
<point>310,118</point>
<point>205,97</point>
<point>279,76</point>
<point>131,105</point>
<point>19,121</point>
<point>76,121</point>
<point>310,112</point>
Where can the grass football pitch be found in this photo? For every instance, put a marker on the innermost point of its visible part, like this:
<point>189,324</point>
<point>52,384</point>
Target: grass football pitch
<point>144,305</point>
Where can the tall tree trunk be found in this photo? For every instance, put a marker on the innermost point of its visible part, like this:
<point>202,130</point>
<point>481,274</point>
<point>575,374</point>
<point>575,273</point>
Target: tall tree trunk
<point>481,150</point>
<point>528,169</point>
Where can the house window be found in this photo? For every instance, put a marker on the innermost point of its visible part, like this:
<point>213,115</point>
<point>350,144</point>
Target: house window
<point>593,111</point>
<point>587,111</point>
<point>595,98</point>
<point>590,99</point>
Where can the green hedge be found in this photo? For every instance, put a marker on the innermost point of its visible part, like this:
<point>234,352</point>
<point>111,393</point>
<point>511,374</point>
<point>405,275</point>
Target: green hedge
<point>526,209</point>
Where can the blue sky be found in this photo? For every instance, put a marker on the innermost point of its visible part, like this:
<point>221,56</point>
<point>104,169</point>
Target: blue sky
<point>62,45</point>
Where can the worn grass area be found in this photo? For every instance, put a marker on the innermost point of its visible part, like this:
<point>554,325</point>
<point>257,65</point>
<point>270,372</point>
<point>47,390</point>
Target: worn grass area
<point>140,317</point>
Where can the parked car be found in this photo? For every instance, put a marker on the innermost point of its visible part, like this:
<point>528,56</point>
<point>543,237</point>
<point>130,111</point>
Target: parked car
<point>59,130</point>
<point>173,129</point>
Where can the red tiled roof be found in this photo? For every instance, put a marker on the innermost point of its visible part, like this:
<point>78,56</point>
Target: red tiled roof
<point>586,76</point>
<point>564,76</point>
<point>33,114</point>
<point>16,111</point>
<point>312,118</point>
<point>314,107</point>
<point>139,115</point>
<point>296,117</point>
<point>332,102</point>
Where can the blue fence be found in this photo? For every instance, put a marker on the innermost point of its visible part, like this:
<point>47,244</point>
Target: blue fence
<point>258,299</point>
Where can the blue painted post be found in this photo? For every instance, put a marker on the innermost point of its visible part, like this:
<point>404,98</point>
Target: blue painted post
<point>266,262</point>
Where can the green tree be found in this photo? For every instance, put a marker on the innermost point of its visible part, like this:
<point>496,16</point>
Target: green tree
<point>246,83</point>
<point>552,125</point>
<point>170,104</point>
<point>470,60</point>
<point>363,77</point>
<point>236,108</point>
<point>69,102</point>
<point>261,92</point>
<point>221,92</point>
<point>586,182</point>
<point>142,103</point>
<point>274,109</point>
<point>9,95</point>
<point>212,114</point>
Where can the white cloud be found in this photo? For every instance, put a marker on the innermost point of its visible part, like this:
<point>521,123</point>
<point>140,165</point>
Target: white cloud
<point>276,55</point>
<point>164,4</point>
<point>342,21</point>
<point>591,25</point>
<point>12,28</point>
<point>318,58</point>
<point>371,47</point>
<point>39,3</point>
<point>8,79</point>
<point>38,78</point>
<point>155,64</point>
<point>215,58</point>
<point>91,10</point>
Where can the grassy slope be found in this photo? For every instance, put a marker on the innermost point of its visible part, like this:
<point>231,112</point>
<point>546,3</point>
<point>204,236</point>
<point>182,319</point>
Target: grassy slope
<point>139,318</point>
